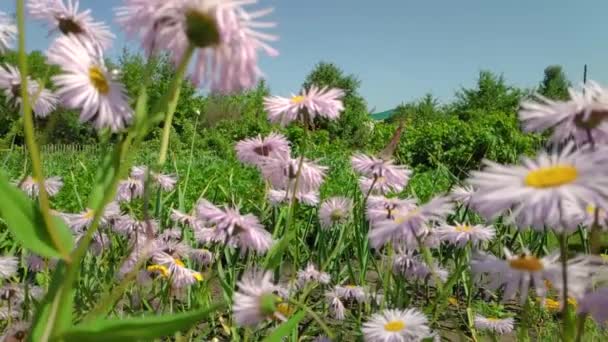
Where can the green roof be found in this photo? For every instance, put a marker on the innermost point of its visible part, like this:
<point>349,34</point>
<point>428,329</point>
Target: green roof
<point>383,115</point>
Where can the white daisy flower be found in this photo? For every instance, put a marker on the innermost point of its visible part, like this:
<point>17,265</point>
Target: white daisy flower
<point>396,326</point>
<point>537,190</point>
<point>496,325</point>
<point>580,117</point>
<point>596,304</point>
<point>278,197</point>
<point>43,101</point>
<point>8,266</point>
<point>256,299</point>
<point>66,19</point>
<point>462,194</point>
<point>460,234</point>
<point>81,221</point>
<point>87,84</point>
<point>180,275</point>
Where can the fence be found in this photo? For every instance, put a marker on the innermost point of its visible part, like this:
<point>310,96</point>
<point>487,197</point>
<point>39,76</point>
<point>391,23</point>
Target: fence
<point>62,148</point>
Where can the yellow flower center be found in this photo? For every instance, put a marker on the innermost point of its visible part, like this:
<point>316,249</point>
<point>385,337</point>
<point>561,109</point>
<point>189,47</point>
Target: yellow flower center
<point>492,319</point>
<point>548,284</point>
<point>572,302</point>
<point>98,79</point>
<point>453,301</point>
<point>89,214</point>
<point>552,176</point>
<point>394,326</point>
<point>297,99</point>
<point>198,276</point>
<point>403,218</point>
<point>551,304</point>
<point>336,215</point>
<point>179,262</point>
<point>284,309</point>
<point>464,228</point>
<point>526,263</point>
<point>351,286</point>
<point>160,269</point>
<point>591,210</point>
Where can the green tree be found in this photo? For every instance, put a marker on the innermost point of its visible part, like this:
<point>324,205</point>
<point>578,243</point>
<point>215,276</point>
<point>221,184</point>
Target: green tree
<point>352,123</point>
<point>426,108</point>
<point>555,84</point>
<point>490,94</point>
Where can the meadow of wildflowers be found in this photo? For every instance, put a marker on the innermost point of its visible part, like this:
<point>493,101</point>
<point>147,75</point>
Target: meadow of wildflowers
<point>142,249</point>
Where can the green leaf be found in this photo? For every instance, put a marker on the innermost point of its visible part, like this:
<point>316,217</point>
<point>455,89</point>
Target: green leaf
<point>285,328</point>
<point>132,329</point>
<point>52,314</point>
<point>25,221</point>
<point>105,176</point>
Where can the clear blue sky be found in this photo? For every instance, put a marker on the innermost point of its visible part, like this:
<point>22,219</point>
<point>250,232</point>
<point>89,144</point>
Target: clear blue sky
<point>402,49</point>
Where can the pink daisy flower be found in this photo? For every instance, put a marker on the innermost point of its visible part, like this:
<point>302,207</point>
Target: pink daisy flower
<point>314,102</point>
<point>595,304</point>
<point>311,274</point>
<point>462,194</point>
<point>579,117</point>
<point>460,234</point>
<point>277,197</point>
<point>380,208</point>
<point>335,210</point>
<point>227,53</point>
<point>87,84</point>
<point>52,186</point>
<point>282,171</point>
<point>351,293</point>
<point>129,190</point>
<point>165,182</point>
<point>8,266</point>
<point>413,268</point>
<point>65,18</point>
<point>245,231</point>
<point>81,221</point>
<point>336,306</point>
<point>253,151</point>
<point>8,32</point>
<point>412,225</point>
<point>178,273</point>
<point>256,299</point>
<point>189,220</point>
<point>394,176</point>
<point>42,100</point>
<point>495,325</point>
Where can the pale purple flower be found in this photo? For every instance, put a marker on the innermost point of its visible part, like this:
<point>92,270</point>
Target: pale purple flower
<point>66,19</point>
<point>575,214</point>
<point>311,103</point>
<point>282,171</point>
<point>596,305</point>
<point>231,227</point>
<point>462,194</point>
<point>8,32</point>
<point>351,293</point>
<point>460,234</point>
<point>226,59</point>
<point>36,263</point>
<point>519,272</point>
<point>166,182</point>
<point>333,211</point>
<point>12,293</point>
<point>311,274</point>
<point>142,248</point>
<point>412,267</point>
<point>99,243</point>
<point>581,117</point>
<point>87,84</point>
<point>172,234</point>
<point>42,101</point>
<point>396,326</point>
<point>189,220</point>
<point>180,275</point>
<point>380,208</point>
<point>256,299</point>
<point>8,266</point>
<point>52,186</point>
<point>81,221</point>
<point>537,190</point>
<point>16,332</point>
<point>411,225</point>
<point>129,226</point>
<point>386,176</point>
<point>277,197</point>
<point>129,189</point>
<point>202,257</point>
<point>496,325</point>
<point>336,307</point>
<point>253,151</point>
<point>379,186</point>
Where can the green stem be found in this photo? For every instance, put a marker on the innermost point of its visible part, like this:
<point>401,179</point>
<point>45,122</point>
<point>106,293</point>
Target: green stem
<point>563,243</point>
<point>174,92</point>
<point>30,141</point>
<point>580,327</point>
<point>314,316</point>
